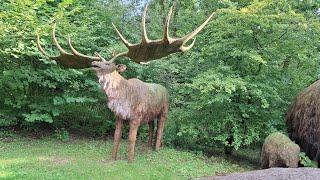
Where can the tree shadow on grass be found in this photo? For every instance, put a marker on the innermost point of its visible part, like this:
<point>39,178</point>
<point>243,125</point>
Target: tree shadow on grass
<point>249,157</point>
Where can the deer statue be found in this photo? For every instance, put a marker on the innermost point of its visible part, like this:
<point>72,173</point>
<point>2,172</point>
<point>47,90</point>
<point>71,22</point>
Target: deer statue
<point>131,100</point>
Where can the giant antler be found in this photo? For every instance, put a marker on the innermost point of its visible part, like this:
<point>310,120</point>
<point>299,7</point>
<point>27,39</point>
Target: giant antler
<point>148,50</point>
<point>74,60</point>
<point>142,52</point>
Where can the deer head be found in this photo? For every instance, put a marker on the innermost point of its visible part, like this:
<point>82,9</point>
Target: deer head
<point>106,67</point>
<point>142,52</point>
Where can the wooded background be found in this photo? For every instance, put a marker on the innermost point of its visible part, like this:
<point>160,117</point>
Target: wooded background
<point>232,89</point>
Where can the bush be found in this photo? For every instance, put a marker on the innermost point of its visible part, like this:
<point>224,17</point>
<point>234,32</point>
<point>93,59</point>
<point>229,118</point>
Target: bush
<point>34,90</point>
<point>62,134</point>
<point>234,88</point>
<point>306,162</point>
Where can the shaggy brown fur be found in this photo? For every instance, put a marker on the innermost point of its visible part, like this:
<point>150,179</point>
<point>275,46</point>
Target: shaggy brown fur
<point>134,101</point>
<point>279,151</point>
<point>303,121</point>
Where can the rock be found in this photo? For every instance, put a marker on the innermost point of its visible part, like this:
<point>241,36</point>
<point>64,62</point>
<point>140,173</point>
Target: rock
<point>271,174</point>
<point>279,151</point>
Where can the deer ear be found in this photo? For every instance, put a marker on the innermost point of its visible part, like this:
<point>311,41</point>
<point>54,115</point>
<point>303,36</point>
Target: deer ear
<point>121,68</point>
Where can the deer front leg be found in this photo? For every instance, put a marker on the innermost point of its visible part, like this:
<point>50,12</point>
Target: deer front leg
<point>132,139</point>
<point>160,131</point>
<point>117,137</point>
<point>151,129</point>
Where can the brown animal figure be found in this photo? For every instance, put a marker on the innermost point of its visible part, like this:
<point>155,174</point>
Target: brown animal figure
<point>131,100</point>
<point>303,121</point>
<point>279,151</point>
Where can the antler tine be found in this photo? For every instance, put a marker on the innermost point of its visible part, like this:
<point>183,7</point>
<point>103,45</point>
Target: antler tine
<point>113,59</point>
<point>40,47</point>
<point>145,38</point>
<point>113,52</point>
<point>99,56</point>
<point>75,52</point>
<point>121,37</point>
<point>62,51</point>
<point>196,31</point>
<point>65,59</point>
<point>166,36</point>
<point>186,48</point>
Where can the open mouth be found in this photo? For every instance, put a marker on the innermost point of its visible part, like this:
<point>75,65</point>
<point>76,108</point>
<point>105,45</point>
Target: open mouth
<point>95,66</point>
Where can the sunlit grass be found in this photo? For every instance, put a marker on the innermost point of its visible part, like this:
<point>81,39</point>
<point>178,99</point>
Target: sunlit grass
<point>85,159</point>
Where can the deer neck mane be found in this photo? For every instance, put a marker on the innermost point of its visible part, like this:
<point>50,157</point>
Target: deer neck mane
<point>118,91</point>
<point>112,82</point>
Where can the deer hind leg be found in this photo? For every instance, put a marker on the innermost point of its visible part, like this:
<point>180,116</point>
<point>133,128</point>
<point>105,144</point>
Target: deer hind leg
<point>151,129</point>
<point>117,138</point>
<point>132,139</point>
<point>160,131</point>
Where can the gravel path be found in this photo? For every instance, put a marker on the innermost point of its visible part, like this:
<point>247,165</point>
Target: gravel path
<point>272,174</point>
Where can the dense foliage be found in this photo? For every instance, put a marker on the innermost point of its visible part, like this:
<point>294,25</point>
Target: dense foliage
<point>233,88</point>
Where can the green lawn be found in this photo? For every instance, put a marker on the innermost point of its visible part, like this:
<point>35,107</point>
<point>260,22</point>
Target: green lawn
<point>23,158</point>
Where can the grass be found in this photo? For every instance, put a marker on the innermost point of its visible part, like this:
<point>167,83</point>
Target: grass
<point>23,158</point>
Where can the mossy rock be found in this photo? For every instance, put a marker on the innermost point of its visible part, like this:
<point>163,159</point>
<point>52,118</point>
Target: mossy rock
<point>279,151</point>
